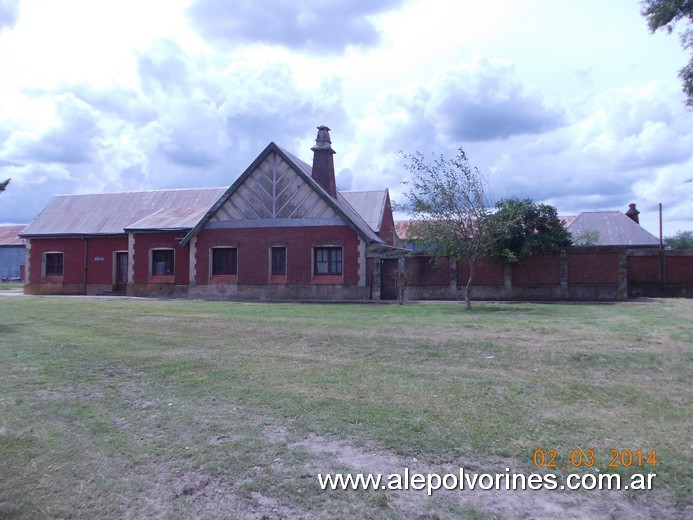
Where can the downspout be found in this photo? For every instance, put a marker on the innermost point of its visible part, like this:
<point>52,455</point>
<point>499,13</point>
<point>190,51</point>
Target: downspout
<point>84,241</point>
<point>662,257</point>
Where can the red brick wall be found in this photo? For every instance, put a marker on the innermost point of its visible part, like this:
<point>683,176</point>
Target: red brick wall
<point>145,242</point>
<point>679,269</point>
<point>425,270</point>
<point>537,270</point>
<point>101,271</point>
<point>487,271</point>
<point>643,269</point>
<point>593,268</point>
<point>253,252</point>
<point>73,258</point>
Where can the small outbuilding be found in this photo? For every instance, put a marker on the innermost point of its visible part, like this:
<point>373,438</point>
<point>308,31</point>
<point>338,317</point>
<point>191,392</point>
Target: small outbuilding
<point>12,253</point>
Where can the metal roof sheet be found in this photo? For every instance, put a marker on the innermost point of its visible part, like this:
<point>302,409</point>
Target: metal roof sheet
<point>170,218</point>
<point>8,235</point>
<point>369,204</point>
<point>614,228</point>
<point>112,213</point>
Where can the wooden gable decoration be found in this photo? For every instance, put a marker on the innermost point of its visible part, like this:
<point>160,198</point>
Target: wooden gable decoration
<point>277,191</point>
<point>273,190</point>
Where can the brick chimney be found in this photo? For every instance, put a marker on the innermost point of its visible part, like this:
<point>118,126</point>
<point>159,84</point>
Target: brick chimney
<point>633,213</point>
<point>323,162</point>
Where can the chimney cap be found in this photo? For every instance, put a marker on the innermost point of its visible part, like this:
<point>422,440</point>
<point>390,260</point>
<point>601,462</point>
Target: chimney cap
<point>322,141</point>
<point>633,213</point>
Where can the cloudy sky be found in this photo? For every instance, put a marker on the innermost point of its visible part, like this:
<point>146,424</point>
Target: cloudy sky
<point>571,103</point>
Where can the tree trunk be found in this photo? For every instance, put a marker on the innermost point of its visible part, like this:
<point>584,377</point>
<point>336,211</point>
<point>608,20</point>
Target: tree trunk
<point>470,282</point>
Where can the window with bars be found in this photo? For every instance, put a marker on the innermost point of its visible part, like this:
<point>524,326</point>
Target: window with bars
<point>328,261</point>
<point>278,261</point>
<point>224,261</point>
<point>162,262</point>
<point>53,264</point>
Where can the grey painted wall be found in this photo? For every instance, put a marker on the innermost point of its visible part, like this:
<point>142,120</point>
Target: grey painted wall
<point>11,258</point>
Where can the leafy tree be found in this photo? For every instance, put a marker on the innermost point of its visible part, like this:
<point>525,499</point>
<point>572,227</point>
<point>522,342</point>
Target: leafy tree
<point>587,238</point>
<point>3,185</point>
<point>448,206</point>
<point>665,14</point>
<point>520,227</point>
<point>682,240</point>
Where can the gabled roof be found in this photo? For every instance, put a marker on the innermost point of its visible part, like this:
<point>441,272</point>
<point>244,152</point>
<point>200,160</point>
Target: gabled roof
<point>112,213</point>
<point>614,229</point>
<point>370,205</point>
<point>340,205</point>
<point>9,235</point>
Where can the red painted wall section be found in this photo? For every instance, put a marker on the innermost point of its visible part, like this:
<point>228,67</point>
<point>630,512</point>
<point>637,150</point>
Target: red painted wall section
<point>537,270</point>
<point>145,242</point>
<point>254,252</point>
<point>100,258</point>
<point>487,271</point>
<point>643,269</point>
<point>73,258</point>
<point>593,268</point>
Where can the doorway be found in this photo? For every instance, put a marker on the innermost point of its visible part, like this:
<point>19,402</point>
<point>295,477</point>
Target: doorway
<point>121,272</point>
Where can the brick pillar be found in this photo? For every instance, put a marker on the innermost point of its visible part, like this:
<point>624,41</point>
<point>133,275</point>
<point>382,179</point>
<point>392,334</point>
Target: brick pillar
<point>564,291</point>
<point>453,277</point>
<point>507,280</point>
<point>376,278</point>
<point>622,290</point>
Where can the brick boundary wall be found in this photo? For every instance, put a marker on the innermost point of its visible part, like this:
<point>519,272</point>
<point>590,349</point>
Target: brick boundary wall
<point>599,273</point>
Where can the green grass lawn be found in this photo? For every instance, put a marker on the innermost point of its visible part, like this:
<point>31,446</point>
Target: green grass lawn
<point>130,408</point>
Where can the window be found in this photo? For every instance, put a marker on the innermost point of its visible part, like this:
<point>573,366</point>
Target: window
<point>54,264</point>
<point>162,262</point>
<point>224,261</point>
<point>278,261</point>
<point>328,260</point>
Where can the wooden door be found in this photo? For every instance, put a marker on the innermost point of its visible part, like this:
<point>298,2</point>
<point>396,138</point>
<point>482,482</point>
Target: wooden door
<point>121,272</point>
<point>388,268</point>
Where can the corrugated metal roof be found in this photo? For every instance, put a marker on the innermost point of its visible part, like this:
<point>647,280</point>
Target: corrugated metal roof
<point>111,213</point>
<point>369,204</point>
<point>8,235</point>
<point>402,229</point>
<point>614,228</point>
<point>170,218</point>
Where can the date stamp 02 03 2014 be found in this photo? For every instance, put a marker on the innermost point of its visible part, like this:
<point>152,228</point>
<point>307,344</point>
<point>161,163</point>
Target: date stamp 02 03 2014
<point>586,458</point>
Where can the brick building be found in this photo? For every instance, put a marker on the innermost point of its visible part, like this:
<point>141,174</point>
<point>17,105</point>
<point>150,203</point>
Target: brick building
<point>281,231</point>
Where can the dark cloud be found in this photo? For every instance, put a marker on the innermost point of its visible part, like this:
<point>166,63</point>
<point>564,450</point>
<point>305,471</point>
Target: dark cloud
<point>9,11</point>
<point>329,26</point>
<point>483,102</point>
<point>31,188</point>
<point>70,142</point>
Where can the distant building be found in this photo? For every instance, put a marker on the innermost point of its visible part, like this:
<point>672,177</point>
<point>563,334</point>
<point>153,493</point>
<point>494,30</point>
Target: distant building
<point>610,228</point>
<point>12,253</point>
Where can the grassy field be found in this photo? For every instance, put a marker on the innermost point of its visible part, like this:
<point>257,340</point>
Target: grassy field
<point>128,408</point>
